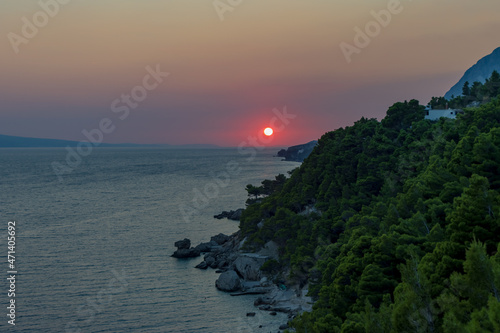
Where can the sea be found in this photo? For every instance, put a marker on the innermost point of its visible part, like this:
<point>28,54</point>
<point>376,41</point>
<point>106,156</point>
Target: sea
<point>92,248</point>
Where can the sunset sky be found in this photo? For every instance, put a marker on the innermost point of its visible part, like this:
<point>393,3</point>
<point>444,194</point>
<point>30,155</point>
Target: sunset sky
<point>227,76</point>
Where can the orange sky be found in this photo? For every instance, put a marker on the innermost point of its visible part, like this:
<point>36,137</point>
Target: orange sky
<point>227,76</point>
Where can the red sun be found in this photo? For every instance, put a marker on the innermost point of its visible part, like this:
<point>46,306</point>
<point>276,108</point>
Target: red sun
<point>268,131</point>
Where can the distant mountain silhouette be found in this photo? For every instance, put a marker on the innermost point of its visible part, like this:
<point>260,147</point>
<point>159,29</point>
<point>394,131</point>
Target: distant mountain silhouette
<point>8,141</point>
<point>479,72</point>
<point>18,141</point>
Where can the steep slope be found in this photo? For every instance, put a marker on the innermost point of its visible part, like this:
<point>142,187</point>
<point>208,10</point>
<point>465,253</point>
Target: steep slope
<point>479,72</point>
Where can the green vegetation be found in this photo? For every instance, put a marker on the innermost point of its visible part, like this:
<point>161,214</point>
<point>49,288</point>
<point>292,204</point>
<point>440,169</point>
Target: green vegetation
<point>395,225</point>
<point>476,94</point>
<point>268,187</point>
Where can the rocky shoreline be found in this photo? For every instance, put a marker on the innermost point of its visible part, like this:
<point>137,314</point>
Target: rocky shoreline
<point>241,274</point>
<point>234,215</point>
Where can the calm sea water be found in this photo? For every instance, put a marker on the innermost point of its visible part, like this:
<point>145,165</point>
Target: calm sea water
<point>93,252</point>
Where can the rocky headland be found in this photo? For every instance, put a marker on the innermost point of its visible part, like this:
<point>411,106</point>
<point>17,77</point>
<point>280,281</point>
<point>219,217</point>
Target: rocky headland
<point>297,153</point>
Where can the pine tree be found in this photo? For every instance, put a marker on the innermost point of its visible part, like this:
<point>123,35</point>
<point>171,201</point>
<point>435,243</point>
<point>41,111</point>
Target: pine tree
<point>414,310</point>
<point>475,214</point>
<point>466,89</point>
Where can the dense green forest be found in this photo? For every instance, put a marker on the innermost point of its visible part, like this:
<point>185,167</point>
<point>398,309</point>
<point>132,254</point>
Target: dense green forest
<point>393,224</point>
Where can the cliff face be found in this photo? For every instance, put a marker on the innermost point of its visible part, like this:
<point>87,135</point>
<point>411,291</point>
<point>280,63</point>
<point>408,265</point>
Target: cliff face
<point>297,153</point>
<point>479,72</point>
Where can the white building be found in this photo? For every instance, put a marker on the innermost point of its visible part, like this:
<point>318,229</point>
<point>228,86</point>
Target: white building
<point>436,114</point>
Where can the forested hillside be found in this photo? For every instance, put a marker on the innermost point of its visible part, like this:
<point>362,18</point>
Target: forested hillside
<point>394,225</point>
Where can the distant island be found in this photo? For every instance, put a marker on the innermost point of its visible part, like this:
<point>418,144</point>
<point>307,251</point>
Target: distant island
<point>8,141</point>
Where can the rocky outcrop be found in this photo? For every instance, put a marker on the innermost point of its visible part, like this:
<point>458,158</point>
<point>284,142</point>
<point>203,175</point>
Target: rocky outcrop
<point>240,274</point>
<point>228,281</point>
<point>184,249</point>
<point>218,251</point>
<point>183,244</point>
<point>221,256</point>
<point>234,215</point>
<point>297,153</point>
<point>248,266</point>
<point>220,239</point>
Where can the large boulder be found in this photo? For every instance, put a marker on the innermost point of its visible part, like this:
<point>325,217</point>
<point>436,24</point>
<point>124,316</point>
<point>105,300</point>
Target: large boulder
<point>206,247</point>
<point>249,268</point>
<point>211,262</point>
<point>202,265</point>
<point>228,281</point>
<point>220,239</point>
<point>183,244</point>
